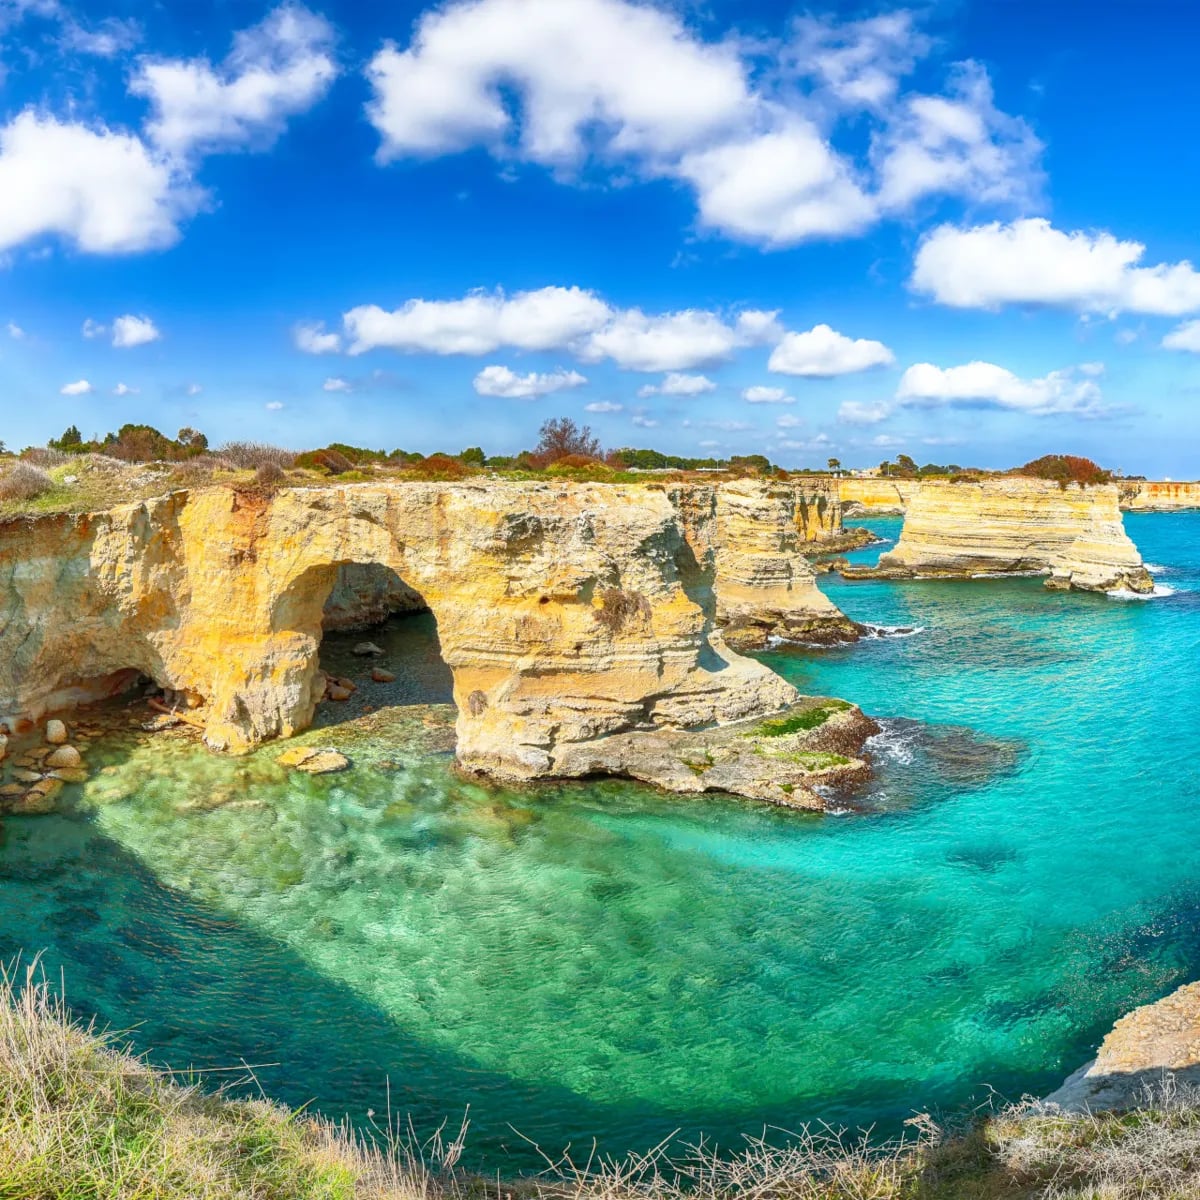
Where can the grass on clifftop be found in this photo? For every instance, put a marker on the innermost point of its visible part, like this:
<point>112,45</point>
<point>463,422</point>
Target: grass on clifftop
<point>82,1120</point>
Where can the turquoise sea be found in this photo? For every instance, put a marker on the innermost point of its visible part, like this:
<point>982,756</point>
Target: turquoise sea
<point>598,961</point>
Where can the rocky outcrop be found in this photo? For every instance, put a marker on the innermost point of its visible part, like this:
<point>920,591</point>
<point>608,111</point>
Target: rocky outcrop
<point>878,497</point>
<point>574,617</point>
<point>1012,525</point>
<point>766,588</point>
<point>1142,1050</point>
<point>1142,495</point>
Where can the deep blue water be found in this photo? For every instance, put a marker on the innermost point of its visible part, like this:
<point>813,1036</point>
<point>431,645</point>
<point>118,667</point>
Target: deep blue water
<point>600,961</point>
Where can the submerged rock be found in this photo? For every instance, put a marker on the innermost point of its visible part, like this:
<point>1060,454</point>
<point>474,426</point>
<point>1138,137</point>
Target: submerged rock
<point>64,756</point>
<point>56,733</point>
<point>367,650</point>
<point>379,675</point>
<point>313,761</point>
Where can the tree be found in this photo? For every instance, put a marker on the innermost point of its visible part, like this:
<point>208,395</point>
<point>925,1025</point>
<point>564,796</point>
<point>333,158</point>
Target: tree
<point>835,465</point>
<point>560,436</point>
<point>192,440</point>
<point>473,456</point>
<point>905,465</point>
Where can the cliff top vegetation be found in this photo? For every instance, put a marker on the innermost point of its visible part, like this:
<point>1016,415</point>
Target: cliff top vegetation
<point>80,1117</point>
<point>72,473</point>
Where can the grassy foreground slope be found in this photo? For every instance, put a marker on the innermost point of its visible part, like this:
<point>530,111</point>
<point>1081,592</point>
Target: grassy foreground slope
<point>82,1120</point>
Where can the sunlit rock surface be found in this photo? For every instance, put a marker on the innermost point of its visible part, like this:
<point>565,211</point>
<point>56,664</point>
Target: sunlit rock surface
<point>1009,524</point>
<point>567,613</point>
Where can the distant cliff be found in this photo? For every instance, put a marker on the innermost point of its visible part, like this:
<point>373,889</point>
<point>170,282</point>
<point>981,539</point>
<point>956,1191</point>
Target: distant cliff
<point>1009,524</point>
<point>879,497</point>
<point>1142,495</point>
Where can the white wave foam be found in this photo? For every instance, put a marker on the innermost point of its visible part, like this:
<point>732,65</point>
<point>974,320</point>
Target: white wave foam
<point>879,632</point>
<point>1160,569</point>
<point>1160,590</point>
<point>895,741</point>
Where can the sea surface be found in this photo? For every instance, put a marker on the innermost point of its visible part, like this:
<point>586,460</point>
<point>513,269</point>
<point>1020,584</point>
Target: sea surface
<point>601,962</point>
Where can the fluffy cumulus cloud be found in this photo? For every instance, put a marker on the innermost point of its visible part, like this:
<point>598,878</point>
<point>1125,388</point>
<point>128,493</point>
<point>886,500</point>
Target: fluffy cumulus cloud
<point>507,384</point>
<point>859,412</point>
<point>546,319</point>
<point>104,190</point>
<point>679,384</point>
<point>767,395</point>
<point>130,330</point>
<point>312,338</point>
<point>1031,262</point>
<point>983,384</point>
<point>80,387</point>
<point>275,70</point>
<point>123,389</point>
<point>1184,337</point>
<point>112,191</point>
<point>752,129</point>
<point>822,353</point>
<point>557,318</point>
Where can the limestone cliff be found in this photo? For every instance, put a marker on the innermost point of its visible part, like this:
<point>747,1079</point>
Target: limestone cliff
<point>765,586</point>
<point>1010,524</point>
<point>1144,1046</point>
<point>1143,495</point>
<point>571,615</point>
<point>876,496</point>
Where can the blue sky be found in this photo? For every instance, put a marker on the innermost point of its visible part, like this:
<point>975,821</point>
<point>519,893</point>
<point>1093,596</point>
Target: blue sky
<point>963,231</point>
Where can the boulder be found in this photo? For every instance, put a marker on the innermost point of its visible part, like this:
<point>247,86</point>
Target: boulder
<point>379,675</point>
<point>313,761</point>
<point>368,650</point>
<point>3,746</point>
<point>56,733</point>
<point>64,756</point>
<point>336,692</point>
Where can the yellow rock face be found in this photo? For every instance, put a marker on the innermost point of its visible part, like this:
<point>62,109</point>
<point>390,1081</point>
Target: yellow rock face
<point>878,496</point>
<point>566,612</point>
<point>1161,496</point>
<point>1073,535</point>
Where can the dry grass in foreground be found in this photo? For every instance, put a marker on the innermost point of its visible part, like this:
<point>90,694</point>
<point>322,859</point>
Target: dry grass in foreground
<point>82,1120</point>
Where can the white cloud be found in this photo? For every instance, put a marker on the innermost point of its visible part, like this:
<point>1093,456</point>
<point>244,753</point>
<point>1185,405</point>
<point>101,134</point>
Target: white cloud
<point>1094,369</point>
<point>547,319</point>
<point>80,387</point>
<point>276,69</point>
<point>728,426</point>
<point>679,341</point>
<point>985,384</point>
<point>603,406</point>
<point>129,331</point>
<point>557,318</point>
<point>677,384</point>
<point>887,441</point>
<point>957,144</point>
<point>334,384</point>
<point>111,37</point>
<point>1125,337</point>
<point>503,382</point>
<point>311,337</point>
<point>123,389</point>
<point>1184,337</point>
<point>93,329</point>
<point>787,421</point>
<point>822,352</point>
<point>858,412</point>
<point>644,422</point>
<point>14,331</point>
<point>631,87</point>
<point>1031,262</point>
<point>103,190</point>
<point>767,395</point>
<point>193,389</point>
<point>273,405</point>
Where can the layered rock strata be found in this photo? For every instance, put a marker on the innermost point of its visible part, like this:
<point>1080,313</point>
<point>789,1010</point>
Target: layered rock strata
<point>572,616</point>
<point>1143,495</point>
<point>1012,525</point>
<point>879,497</point>
<point>1144,1048</point>
<point>766,588</point>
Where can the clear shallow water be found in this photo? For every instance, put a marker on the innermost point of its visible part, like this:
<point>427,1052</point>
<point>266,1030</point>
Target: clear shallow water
<point>601,961</point>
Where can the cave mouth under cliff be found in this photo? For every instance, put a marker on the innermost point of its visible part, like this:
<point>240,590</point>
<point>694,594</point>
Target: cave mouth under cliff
<point>371,603</point>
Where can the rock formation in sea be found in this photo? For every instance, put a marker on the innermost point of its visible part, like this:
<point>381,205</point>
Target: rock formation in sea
<point>580,621</point>
<point>1010,524</point>
<point>1143,1049</point>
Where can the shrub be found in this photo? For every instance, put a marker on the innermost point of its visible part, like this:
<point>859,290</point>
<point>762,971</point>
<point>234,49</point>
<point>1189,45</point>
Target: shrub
<point>25,482</point>
<point>439,467</point>
<point>44,456</point>
<point>269,475</point>
<point>252,455</point>
<point>618,608</point>
<point>1064,469</point>
<point>332,461</point>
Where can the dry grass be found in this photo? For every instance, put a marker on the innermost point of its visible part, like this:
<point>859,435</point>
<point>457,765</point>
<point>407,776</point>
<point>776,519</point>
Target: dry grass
<point>249,456</point>
<point>25,482</point>
<point>80,1119</point>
